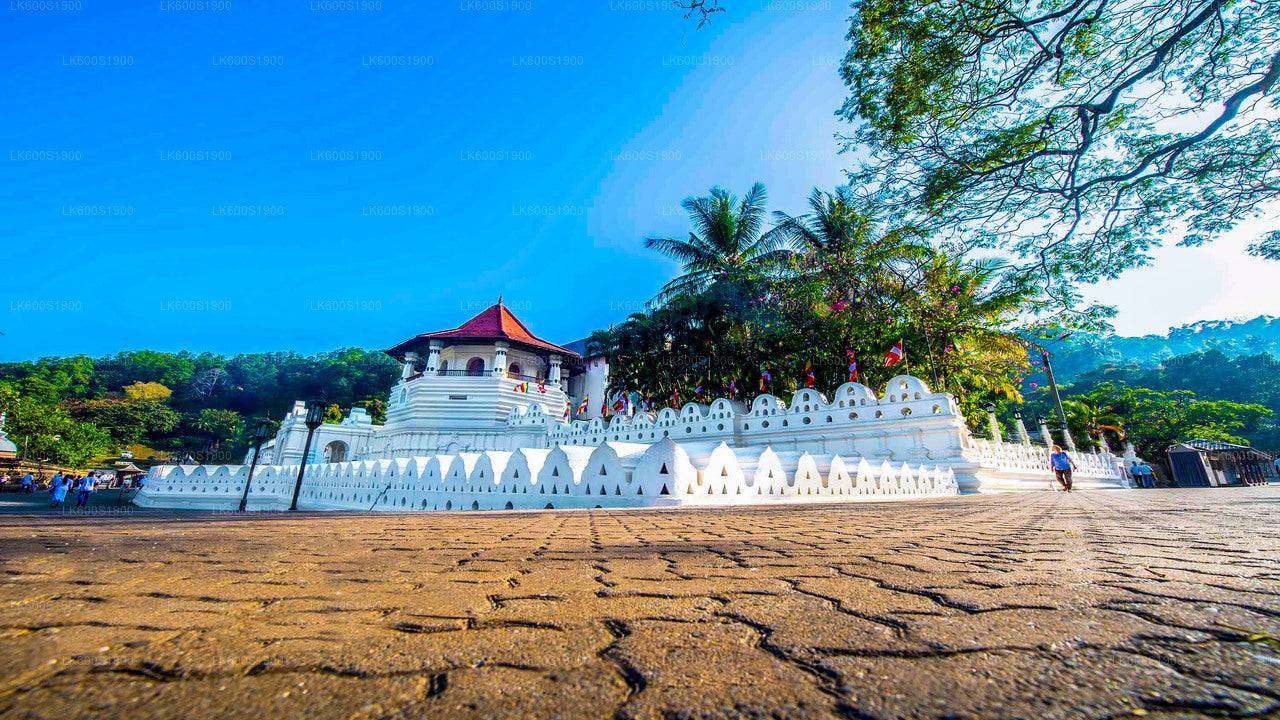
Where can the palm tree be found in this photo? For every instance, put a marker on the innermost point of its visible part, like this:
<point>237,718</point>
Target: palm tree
<point>1094,415</point>
<point>842,241</point>
<point>725,244</point>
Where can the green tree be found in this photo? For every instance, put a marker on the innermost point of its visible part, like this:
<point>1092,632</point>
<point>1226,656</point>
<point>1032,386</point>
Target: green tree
<point>47,432</point>
<point>1068,134</point>
<point>129,423</point>
<point>1154,420</point>
<point>218,425</point>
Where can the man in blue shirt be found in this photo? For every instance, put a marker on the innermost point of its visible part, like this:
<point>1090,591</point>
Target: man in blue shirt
<point>1062,466</point>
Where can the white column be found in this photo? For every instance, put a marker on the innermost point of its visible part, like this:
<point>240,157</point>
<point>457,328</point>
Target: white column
<point>1045,436</point>
<point>409,367</point>
<point>993,425</point>
<point>1020,430</point>
<point>553,370</point>
<point>433,355</point>
<point>500,357</point>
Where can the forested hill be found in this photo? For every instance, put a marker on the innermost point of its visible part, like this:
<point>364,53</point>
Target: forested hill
<point>1082,352</point>
<point>75,409</point>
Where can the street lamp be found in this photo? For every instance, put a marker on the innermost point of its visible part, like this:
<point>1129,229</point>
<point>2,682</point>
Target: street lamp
<point>260,436</point>
<point>315,416</point>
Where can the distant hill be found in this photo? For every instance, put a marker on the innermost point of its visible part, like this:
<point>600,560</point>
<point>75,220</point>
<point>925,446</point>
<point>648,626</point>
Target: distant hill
<point>1082,352</point>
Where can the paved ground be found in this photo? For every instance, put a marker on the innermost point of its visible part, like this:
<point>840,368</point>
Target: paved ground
<point>1108,604</point>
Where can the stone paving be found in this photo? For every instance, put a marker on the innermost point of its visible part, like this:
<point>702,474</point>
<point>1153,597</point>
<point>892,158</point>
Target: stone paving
<point>1159,603</point>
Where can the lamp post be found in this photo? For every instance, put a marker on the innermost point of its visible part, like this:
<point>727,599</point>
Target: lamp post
<point>1057,401</point>
<point>315,416</point>
<point>260,436</point>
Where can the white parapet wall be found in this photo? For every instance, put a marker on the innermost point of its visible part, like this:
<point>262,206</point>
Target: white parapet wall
<point>910,442</point>
<point>611,475</point>
<point>1004,466</point>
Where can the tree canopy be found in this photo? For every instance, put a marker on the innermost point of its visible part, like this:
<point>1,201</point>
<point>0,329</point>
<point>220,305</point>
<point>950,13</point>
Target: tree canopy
<point>1073,135</point>
<point>823,290</point>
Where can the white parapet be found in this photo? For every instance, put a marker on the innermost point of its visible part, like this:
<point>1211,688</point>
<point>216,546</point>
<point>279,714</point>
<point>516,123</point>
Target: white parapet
<point>909,442</point>
<point>613,475</point>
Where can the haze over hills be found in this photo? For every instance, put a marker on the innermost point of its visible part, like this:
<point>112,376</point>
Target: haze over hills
<point>1237,337</point>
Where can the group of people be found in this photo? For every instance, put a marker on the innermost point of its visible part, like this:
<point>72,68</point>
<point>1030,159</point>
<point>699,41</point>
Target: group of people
<point>60,485</point>
<point>1142,474</point>
<point>85,487</point>
<point>1062,465</point>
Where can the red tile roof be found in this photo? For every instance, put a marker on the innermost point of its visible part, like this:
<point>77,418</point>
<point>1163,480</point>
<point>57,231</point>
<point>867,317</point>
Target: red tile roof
<point>494,323</point>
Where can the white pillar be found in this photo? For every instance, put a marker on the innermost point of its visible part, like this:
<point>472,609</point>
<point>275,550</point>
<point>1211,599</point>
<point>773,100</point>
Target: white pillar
<point>410,365</point>
<point>500,357</point>
<point>994,426</point>
<point>553,370</point>
<point>1045,436</point>
<point>433,355</point>
<point>1020,430</point>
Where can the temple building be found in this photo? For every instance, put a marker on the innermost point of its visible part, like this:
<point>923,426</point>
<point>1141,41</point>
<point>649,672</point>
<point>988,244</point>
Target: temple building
<point>458,388</point>
<point>486,417</point>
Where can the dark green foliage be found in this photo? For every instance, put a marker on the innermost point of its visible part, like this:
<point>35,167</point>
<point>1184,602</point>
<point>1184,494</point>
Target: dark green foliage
<point>213,396</point>
<point>1205,394</point>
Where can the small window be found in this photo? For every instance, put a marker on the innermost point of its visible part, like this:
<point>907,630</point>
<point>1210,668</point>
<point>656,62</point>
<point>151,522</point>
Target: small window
<point>475,366</point>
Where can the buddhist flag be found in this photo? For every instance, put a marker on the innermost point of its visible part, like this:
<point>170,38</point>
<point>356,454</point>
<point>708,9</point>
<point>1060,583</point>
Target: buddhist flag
<point>853,367</point>
<point>808,373</point>
<point>698,390</point>
<point>896,355</point>
<point>675,398</point>
<point>620,403</point>
<point>522,387</point>
<point>765,377</point>
<point>582,406</point>
<point>648,401</point>
<point>542,386</point>
<point>567,408</point>
<point>733,388</point>
<point>604,408</point>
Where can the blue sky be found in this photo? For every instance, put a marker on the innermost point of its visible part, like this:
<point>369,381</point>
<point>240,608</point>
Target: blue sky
<point>314,174</point>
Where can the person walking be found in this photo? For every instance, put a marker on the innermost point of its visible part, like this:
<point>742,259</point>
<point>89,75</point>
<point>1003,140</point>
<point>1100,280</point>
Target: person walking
<point>1148,476</point>
<point>28,483</point>
<point>1062,465</point>
<point>56,481</point>
<point>1135,473</point>
<point>60,489</point>
<point>87,486</point>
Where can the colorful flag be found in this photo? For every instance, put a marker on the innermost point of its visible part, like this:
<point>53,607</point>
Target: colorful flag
<point>853,367</point>
<point>896,355</point>
<point>808,373</point>
<point>648,401</point>
<point>542,386</point>
<point>733,388</point>
<point>697,391</point>
<point>675,398</point>
<point>582,406</point>
<point>522,387</point>
<point>765,377</point>
<point>567,407</point>
<point>620,403</point>
<point>604,408</point>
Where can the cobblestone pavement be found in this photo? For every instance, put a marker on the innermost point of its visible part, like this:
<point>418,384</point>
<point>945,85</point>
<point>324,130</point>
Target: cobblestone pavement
<point>1106,604</point>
